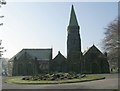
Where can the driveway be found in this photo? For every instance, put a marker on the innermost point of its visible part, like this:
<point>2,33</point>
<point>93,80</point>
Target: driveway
<point>111,82</point>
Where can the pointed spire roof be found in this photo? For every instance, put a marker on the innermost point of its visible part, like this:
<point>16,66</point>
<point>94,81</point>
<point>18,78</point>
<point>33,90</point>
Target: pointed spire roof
<point>73,19</point>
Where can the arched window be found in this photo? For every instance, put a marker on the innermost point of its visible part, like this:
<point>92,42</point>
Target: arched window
<point>30,68</point>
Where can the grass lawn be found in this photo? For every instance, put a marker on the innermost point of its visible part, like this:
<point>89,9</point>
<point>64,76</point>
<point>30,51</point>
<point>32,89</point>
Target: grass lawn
<point>17,80</point>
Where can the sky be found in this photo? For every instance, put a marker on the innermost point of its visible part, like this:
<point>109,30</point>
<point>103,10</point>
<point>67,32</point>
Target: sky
<point>44,24</point>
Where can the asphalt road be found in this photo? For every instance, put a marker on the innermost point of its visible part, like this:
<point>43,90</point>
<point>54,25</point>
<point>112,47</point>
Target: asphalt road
<point>111,82</point>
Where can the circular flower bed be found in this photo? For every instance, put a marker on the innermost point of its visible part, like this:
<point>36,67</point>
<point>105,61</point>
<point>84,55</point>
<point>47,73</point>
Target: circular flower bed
<point>54,76</point>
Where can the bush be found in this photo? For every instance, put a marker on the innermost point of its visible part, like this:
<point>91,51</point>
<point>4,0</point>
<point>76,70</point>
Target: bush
<point>82,76</point>
<point>26,78</point>
<point>54,76</point>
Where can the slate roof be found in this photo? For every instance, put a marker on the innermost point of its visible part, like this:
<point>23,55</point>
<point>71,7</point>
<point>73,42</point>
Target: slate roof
<point>40,54</point>
<point>59,58</point>
<point>93,49</point>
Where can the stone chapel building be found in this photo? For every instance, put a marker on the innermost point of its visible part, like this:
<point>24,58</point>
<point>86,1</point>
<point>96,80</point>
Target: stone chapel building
<point>37,61</point>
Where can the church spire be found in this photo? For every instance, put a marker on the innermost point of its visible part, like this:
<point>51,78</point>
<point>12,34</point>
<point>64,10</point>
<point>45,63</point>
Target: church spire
<point>73,19</point>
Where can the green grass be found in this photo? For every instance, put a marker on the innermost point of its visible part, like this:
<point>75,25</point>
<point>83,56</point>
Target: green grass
<point>17,80</point>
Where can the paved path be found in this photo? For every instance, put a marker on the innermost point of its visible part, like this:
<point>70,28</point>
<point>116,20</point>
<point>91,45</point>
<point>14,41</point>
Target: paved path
<point>111,82</point>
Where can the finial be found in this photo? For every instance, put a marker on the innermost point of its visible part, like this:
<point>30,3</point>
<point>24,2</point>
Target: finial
<point>93,42</point>
<point>51,46</point>
<point>58,52</point>
<point>72,6</point>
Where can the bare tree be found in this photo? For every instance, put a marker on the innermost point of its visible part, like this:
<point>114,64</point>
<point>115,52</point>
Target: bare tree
<point>2,2</point>
<point>1,49</point>
<point>111,42</point>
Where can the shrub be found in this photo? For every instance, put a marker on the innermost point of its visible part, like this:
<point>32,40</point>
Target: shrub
<point>82,76</point>
<point>54,76</point>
